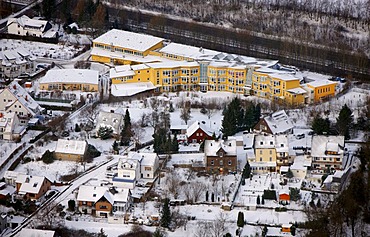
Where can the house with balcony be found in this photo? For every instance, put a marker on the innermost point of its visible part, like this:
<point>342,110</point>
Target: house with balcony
<point>95,200</point>
<point>10,127</point>
<point>327,152</point>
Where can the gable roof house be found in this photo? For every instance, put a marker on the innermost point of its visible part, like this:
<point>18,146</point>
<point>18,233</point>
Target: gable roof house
<point>327,152</point>
<point>32,187</point>
<point>10,127</point>
<point>197,133</point>
<point>110,119</point>
<point>14,62</point>
<point>71,150</point>
<point>128,173</point>
<point>149,163</point>
<point>26,26</point>
<point>95,200</point>
<point>221,156</point>
<point>276,123</point>
<point>15,98</point>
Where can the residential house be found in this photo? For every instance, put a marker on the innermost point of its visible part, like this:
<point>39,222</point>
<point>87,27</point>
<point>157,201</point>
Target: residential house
<point>276,123</point>
<point>221,156</point>
<point>122,200</point>
<point>70,80</point>
<point>128,173</point>
<point>72,150</point>
<point>327,152</point>
<point>15,62</point>
<point>300,166</point>
<point>15,98</point>
<point>26,232</point>
<point>149,163</point>
<point>110,119</point>
<point>282,151</point>
<point>10,127</point>
<point>95,200</point>
<point>265,154</point>
<point>10,177</point>
<point>197,133</point>
<point>32,187</point>
<point>26,26</point>
<point>3,222</point>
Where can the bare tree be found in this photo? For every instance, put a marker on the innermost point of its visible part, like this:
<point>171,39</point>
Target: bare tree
<point>48,216</point>
<point>138,132</point>
<point>173,184</point>
<point>198,189</point>
<point>211,109</point>
<point>90,113</point>
<point>185,111</point>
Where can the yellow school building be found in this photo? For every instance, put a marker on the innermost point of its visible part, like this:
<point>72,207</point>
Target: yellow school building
<point>142,62</point>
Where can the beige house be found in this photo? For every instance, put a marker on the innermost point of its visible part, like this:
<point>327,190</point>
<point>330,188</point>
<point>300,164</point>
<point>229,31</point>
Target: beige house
<point>71,150</point>
<point>15,98</point>
<point>26,26</point>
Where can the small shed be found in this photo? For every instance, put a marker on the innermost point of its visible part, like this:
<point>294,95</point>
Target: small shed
<point>285,228</point>
<point>227,206</point>
<point>284,197</point>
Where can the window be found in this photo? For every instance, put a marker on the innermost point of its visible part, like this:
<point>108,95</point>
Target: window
<point>260,152</point>
<point>270,152</point>
<point>212,162</point>
<point>221,162</point>
<point>221,154</point>
<point>229,162</point>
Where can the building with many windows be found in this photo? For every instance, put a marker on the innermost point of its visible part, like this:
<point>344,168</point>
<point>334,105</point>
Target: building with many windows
<point>151,63</point>
<point>327,152</point>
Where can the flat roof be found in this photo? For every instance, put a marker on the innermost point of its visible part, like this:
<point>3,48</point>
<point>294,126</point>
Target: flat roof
<point>128,40</point>
<point>83,76</point>
<point>319,83</point>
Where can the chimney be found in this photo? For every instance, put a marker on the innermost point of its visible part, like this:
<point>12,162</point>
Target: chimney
<point>14,86</point>
<point>112,111</point>
<point>26,98</point>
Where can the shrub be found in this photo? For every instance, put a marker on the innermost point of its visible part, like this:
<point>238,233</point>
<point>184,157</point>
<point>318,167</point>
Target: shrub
<point>71,205</point>
<point>91,153</point>
<point>269,194</point>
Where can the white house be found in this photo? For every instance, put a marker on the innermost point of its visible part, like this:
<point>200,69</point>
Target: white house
<point>149,163</point>
<point>128,173</point>
<point>110,119</point>
<point>15,98</point>
<point>327,152</point>
<point>10,127</point>
<point>15,62</point>
<point>26,26</point>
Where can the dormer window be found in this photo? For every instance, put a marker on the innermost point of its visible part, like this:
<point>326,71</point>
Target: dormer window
<point>221,154</point>
<point>282,145</point>
<point>271,143</point>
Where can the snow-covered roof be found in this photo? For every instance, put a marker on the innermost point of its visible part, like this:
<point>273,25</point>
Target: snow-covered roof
<point>321,145</point>
<point>194,127</point>
<point>7,189</point>
<point>297,91</point>
<point>113,120</point>
<point>121,195</point>
<point>121,71</point>
<point>71,147</point>
<point>299,163</point>
<point>24,21</point>
<point>129,89</point>
<point>279,122</point>
<point>282,144</point>
<point>319,83</point>
<point>284,76</point>
<point>29,183</point>
<point>125,163</point>
<point>93,194</point>
<point>187,51</point>
<point>145,158</point>
<point>128,40</point>
<point>83,76</point>
<point>120,55</point>
<point>211,147</point>
<point>24,98</point>
<point>192,147</point>
<point>26,232</point>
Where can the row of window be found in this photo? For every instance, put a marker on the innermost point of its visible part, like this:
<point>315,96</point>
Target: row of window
<point>221,162</point>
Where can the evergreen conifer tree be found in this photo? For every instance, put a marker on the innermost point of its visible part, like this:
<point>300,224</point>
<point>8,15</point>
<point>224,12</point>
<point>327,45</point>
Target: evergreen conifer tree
<point>240,221</point>
<point>344,121</point>
<point>166,214</point>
